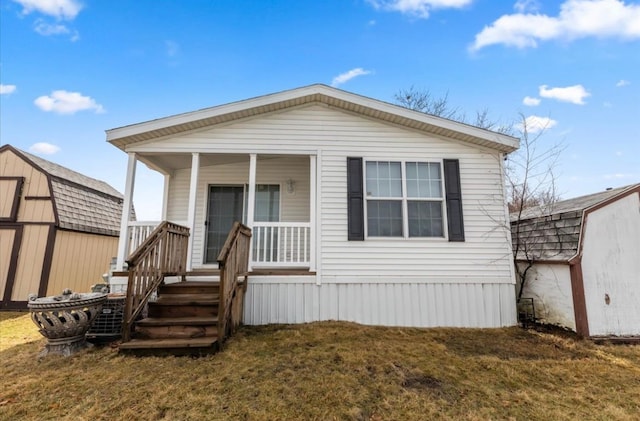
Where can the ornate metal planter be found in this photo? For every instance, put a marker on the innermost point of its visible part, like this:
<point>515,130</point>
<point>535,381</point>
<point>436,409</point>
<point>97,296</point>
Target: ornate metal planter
<point>64,319</point>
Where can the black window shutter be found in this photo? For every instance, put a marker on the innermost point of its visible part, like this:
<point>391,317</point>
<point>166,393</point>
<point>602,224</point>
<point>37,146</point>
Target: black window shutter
<point>355,200</point>
<point>454,199</point>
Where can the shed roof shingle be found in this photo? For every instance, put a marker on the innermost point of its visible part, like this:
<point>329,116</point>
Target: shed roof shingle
<point>83,203</point>
<point>552,232</point>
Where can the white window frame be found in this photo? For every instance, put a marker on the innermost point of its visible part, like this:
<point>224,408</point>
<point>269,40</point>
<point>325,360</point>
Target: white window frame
<point>405,199</point>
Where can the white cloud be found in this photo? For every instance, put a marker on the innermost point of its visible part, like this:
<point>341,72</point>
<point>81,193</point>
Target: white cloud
<point>44,148</point>
<point>347,76</point>
<point>418,8</point>
<point>607,104</point>
<point>172,48</point>
<point>7,89</point>
<point>44,28</point>
<point>577,19</point>
<point>574,94</point>
<point>523,6</point>
<point>59,9</point>
<point>618,176</point>
<point>48,29</point>
<point>530,101</point>
<point>64,102</point>
<point>535,124</point>
<point>622,83</point>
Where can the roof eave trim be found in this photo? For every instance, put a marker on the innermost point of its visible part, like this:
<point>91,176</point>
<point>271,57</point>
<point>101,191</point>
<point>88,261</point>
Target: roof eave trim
<point>313,93</point>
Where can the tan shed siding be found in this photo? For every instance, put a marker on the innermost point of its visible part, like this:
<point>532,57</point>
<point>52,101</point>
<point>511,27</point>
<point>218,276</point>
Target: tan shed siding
<point>35,185</point>
<point>611,268</point>
<point>30,261</point>
<point>401,303</point>
<point>7,237</point>
<point>294,207</point>
<point>7,196</point>
<point>485,253</point>
<point>80,260</point>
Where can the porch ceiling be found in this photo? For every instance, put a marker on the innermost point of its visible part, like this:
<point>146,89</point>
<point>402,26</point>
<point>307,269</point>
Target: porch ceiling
<point>167,163</point>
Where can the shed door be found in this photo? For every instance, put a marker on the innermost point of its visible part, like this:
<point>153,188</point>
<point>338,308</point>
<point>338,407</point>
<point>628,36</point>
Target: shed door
<point>9,246</point>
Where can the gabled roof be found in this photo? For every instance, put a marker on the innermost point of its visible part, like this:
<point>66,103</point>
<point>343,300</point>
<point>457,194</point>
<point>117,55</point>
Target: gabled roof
<point>552,233</point>
<point>125,136</point>
<point>82,203</point>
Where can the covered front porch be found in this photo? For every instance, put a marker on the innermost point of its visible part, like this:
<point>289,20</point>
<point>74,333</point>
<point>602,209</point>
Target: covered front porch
<point>273,194</point>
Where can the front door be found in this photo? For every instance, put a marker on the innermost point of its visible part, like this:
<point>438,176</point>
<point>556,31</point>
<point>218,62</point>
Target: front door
<point>225,206</point>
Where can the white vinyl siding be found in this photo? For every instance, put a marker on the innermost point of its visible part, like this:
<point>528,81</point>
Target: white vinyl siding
<point>485,253</point>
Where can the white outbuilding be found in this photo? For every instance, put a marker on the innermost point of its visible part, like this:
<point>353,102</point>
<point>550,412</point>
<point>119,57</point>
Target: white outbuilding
<point>585,262</point>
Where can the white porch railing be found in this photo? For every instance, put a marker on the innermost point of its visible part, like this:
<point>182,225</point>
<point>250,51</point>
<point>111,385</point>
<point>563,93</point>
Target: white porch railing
<point>275,244</point>
<point>281,244</point>
<point>138,232</point>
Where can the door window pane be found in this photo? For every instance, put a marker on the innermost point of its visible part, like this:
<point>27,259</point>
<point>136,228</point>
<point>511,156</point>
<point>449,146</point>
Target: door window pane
<point>267,207</point>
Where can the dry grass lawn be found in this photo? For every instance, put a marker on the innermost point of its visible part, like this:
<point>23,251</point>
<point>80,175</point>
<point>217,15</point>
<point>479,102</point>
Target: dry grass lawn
<point>329,371</point>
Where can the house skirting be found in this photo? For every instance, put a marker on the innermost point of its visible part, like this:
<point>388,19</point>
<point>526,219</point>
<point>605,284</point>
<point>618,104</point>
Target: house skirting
<point>411,303</point>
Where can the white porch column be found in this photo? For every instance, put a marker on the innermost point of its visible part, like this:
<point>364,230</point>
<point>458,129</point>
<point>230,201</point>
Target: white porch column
<point>317,223</point>
<point>123,241</point>
<point>191,212</point>
<point>251,201</point>
<point>165,196</point>
<point>312,213</point>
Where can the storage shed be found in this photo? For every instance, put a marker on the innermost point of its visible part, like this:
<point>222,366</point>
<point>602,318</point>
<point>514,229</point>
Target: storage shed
<point>58,228</point>
<point>585,256</point>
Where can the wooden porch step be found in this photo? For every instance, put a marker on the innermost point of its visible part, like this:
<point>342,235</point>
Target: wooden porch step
<point>168,344</point>
<point>191,287</point>
<point>179,306</point>
<point>188,299</point>
<point>178,321</point>
<point>204,272</point>
<point>175,331</point>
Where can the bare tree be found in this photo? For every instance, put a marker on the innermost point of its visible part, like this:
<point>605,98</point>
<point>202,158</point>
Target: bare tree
<point>531,184</point>
<point>423,100</point>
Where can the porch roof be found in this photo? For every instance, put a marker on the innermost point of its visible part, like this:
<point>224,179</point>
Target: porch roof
<point>123,137</point>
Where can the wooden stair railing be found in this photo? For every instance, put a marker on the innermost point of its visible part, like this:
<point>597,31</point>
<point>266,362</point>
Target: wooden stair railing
<point>163,253</point>
<point>233,262</point>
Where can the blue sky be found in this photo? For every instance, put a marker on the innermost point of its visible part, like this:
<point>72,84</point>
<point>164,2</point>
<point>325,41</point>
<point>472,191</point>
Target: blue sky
<point>71,69</point>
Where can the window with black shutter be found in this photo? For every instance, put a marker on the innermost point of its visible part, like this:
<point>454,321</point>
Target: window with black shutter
<point>404,199</point>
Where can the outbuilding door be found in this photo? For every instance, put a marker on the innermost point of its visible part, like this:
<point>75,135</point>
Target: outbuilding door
<point>10,239</point>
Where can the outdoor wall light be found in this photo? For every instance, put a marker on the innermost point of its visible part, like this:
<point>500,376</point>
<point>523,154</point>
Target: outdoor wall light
<point>291,186</point>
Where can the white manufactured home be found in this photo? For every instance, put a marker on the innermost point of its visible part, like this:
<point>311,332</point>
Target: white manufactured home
<point>585,262</point>
<point>359,210</point>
